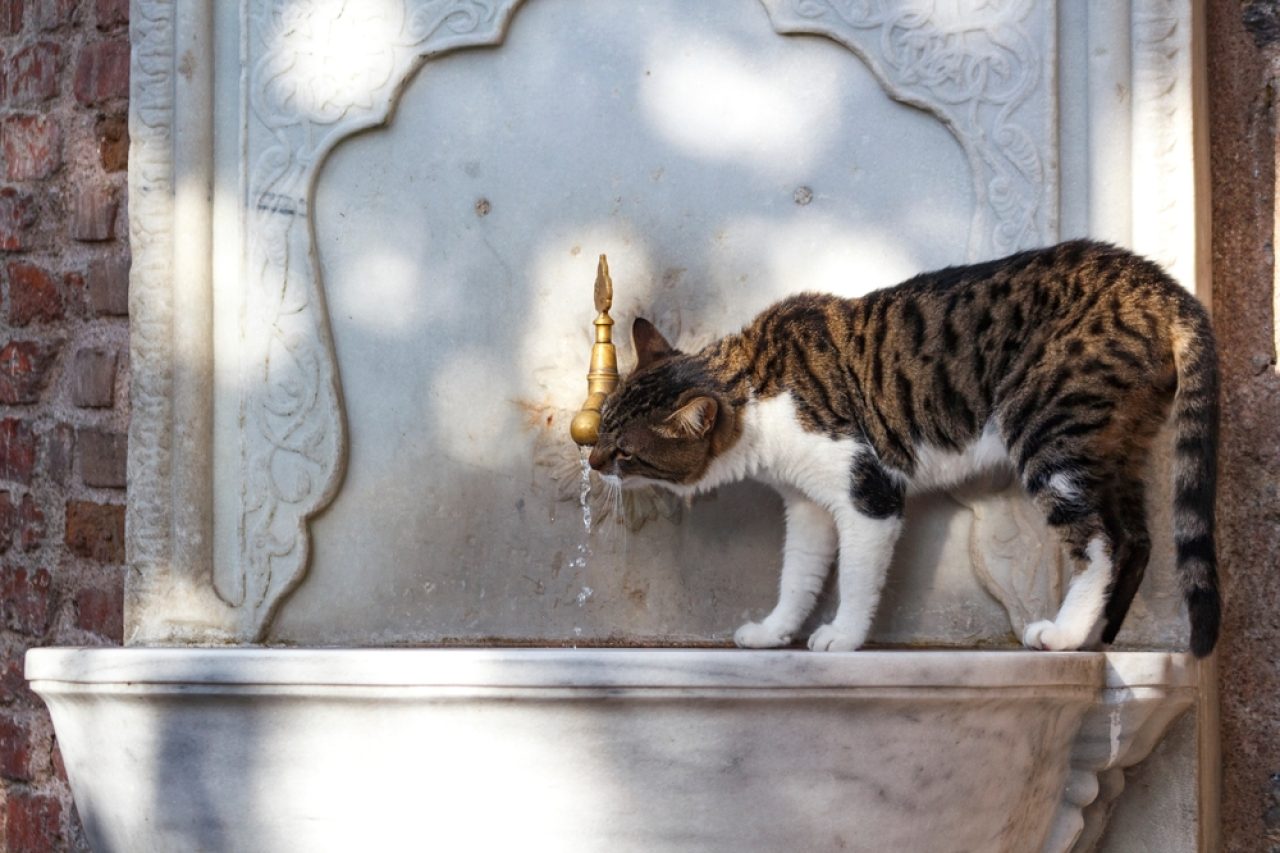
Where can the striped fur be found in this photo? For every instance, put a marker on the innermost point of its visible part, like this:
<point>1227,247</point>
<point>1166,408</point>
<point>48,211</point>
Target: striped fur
<point>1061,362</point>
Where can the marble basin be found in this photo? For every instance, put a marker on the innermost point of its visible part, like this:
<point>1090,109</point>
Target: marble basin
<point>599,749</point>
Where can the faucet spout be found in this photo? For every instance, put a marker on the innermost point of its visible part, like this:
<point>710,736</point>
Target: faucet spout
<point>602,377</point>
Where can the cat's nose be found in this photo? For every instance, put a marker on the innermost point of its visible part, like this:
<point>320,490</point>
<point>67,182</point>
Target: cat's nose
<point>599,457</point>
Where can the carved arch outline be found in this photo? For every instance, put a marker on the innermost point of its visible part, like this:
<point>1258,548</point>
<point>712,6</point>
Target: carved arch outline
<point>293,442</point>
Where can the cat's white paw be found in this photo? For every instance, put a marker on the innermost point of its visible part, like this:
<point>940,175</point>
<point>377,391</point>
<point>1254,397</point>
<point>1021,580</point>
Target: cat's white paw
<point>1046,635</point>
<point>758,635</point>
<point>829,638</point>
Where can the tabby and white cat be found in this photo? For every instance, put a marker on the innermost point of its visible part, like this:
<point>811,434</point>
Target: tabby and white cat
<point>1060,362</point>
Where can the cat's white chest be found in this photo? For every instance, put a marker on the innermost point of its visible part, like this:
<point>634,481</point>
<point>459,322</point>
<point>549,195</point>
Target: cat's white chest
<point>777,449</point>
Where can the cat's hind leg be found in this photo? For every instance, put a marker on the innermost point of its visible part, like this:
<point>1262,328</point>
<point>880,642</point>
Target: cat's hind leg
<point>807,555</point>
<point>1072,505</point>
<point>1129,511</point>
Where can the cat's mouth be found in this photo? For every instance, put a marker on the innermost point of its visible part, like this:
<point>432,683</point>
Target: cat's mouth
<point>633,482</point>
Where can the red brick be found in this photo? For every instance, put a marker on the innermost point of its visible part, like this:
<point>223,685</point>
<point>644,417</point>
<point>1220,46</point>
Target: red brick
<point>21,523</point>
<point>17,744</point>
<point>102,74</point>
<point>93,216</point>
<point>32,73</point>
<point>108,286</point>
<point>113,142</point>
<point>17,219</point>
<point>26,599</point>
<point>93,379</point>
<point>34,296</point>
<point>103,458</point>
<point>112,13</point>
<point>32,823</point>
<point>54,14</point>
<point>24,371</point>
<point>31,146</point>
<point>55,758</point>
<point>101,611</point>
<point>73,293</point>
<point>17,451</point>
<point>96,531</point>
<point>13,685</point>
<point>59,451</point>
<point>10,17</point>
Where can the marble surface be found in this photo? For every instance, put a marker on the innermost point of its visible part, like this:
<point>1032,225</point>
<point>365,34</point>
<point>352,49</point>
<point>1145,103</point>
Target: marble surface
<point>588,750</point>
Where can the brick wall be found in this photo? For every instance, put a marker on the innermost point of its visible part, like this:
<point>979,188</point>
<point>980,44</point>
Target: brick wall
<point>64,67</point>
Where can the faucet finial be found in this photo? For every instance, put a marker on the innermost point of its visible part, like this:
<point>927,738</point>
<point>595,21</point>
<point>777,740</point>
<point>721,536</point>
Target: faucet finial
<point>602,378</point>
<point>604,287</point>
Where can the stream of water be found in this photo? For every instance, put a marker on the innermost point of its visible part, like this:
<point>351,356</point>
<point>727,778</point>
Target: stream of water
<point>584,546</point>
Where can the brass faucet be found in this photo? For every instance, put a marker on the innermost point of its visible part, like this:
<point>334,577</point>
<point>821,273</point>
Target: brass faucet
<point>602,378</point>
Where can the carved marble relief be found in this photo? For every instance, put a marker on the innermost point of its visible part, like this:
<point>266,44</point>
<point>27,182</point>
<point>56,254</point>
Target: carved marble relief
<point>319,71</point>
<point>981,67</point>
<point>1163,141</point>
<point>150,298</point>
<point>324,70</point>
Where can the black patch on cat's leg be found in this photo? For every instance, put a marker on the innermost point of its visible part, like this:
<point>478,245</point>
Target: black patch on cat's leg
<point>876,492</point>
<point>1131,555</point>
<point>1131,564</point>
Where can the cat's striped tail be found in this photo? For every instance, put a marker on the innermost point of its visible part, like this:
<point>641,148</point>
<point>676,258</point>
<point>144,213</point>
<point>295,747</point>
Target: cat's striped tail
<point>1195,470</point>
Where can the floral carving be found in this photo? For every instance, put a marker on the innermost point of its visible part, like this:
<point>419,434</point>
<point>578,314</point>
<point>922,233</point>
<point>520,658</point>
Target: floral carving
<point>326,57</point>
<point>1163,159</point>
<point>975,66</point>
<point>322,69</point>
<point>151,238</point>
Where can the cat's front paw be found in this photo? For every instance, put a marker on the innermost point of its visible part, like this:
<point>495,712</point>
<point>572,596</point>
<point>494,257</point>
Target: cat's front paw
<point>1045,635</point>
<point>758,635</point>
<point>829,638</point>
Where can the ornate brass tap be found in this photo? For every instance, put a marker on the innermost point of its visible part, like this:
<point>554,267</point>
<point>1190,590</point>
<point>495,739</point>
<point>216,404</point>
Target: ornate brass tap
<point>602,378</point>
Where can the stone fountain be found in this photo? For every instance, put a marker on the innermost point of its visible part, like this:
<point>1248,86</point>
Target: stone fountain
<point>363,236</point>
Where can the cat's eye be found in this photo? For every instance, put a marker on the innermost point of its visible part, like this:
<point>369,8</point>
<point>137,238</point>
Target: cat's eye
<point>622,455</point>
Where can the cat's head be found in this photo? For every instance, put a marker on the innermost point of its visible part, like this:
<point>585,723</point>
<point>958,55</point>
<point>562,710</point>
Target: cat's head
<point>667,420</point>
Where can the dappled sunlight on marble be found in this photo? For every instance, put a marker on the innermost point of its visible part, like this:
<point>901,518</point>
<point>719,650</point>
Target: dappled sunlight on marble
<point>557,322</point>
<point>827,253</point>
<point>391,277</point>
<point>713,99</point>
<point>471,403</point>
<point>338,54</point>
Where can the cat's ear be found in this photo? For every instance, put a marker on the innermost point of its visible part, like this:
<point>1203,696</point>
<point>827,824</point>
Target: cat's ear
<point>695,418</point>
<point>649,343</point>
